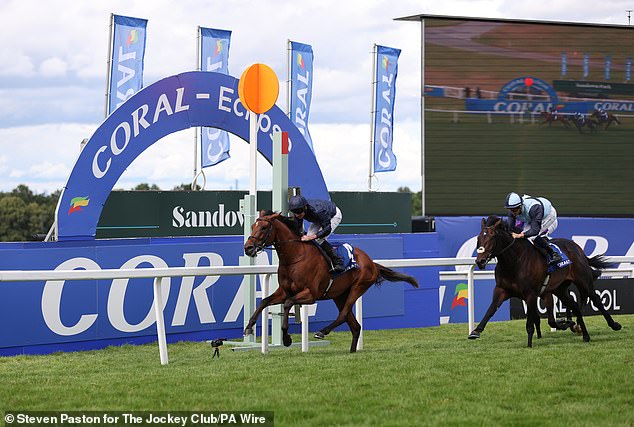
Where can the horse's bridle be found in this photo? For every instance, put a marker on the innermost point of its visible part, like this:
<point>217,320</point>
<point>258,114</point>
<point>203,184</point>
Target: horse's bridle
<point>259,246</point>
<point>481,249</point>
<point>264,243</point>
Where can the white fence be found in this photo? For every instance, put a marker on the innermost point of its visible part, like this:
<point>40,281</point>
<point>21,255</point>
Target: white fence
<point>467,273</point>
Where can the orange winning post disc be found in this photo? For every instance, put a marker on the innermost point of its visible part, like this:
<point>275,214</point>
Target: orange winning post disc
<point>258,88</point>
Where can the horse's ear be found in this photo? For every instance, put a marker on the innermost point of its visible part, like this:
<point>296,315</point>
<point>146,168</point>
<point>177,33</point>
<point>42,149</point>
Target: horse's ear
<point>497,223</point>
<point>484,223</point>
<point>262,213</point>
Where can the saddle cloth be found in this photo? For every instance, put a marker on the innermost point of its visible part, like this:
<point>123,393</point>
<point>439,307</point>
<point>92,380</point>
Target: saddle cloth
<point>345,252</point>
<point>564,259</point>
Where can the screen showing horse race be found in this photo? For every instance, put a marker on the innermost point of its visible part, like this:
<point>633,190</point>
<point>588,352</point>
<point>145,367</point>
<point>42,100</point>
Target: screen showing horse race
<point>541,108</point>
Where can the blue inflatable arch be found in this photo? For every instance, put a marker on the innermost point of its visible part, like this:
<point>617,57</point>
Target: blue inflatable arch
<point>172,104</point>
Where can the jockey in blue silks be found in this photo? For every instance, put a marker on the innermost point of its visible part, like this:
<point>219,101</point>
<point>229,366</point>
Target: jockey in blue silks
<point>324,217</point>
<point>540,219</point>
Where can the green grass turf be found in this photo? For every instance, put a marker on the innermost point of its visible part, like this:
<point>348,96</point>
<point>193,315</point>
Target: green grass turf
<point>428,376</point>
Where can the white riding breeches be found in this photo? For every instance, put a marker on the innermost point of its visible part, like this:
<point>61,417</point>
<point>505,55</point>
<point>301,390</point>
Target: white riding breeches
<point>334,223</point>
<point>549,225</point>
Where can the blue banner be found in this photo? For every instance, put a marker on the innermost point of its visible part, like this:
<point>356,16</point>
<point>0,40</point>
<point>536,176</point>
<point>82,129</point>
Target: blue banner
<point>608,65</point>
<point>214,56</point>
<point>628,68</point>
<point>126,66</point>
<point>183,101</point>
<point>564,64</point>
<point>586,65</point>
<point>385,92</point>
<point>301,81</point>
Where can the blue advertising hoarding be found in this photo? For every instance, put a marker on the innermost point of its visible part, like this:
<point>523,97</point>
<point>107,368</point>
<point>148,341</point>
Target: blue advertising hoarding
<point>457,238</point>
<point>45,316</point>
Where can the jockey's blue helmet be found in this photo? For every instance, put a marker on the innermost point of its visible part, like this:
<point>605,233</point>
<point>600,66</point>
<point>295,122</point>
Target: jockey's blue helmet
<point>513,200</point>
<point>297,203</point>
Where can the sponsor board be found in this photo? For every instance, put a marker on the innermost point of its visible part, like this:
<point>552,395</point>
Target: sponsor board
<point>616,295</point>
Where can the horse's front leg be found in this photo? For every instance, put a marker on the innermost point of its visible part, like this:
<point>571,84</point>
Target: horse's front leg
<point>499,296</point>
<point>303,297</point>
<point>532,316</point>
<point>276,297</point>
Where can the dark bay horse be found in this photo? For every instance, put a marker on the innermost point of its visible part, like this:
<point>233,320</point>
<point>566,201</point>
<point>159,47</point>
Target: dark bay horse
<point>304,277</point>
<point>608,118</point>
<point>521,272</point>
<point>579,120</point>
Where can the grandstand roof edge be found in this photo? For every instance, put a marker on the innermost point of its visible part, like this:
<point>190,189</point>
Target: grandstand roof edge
<point>518,21</point>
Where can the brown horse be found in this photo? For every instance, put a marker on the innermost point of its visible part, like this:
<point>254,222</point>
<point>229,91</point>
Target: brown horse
<point>521,272</point>
<point>551,118</point>
<point>304,277</point>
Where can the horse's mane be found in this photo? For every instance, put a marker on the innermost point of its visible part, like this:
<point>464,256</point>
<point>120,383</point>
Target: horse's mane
<point>289,222</point>
<point>504,225</point>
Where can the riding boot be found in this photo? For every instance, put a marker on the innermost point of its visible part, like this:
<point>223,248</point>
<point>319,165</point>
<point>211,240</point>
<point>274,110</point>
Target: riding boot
<point>544,248</point>
<point>337,264</point>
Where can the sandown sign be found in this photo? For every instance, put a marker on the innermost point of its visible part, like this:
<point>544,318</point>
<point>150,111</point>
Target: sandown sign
<point>172,104</point>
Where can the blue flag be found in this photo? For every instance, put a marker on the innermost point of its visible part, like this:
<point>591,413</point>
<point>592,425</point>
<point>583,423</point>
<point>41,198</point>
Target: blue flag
<point>586,65</point>
<point>608,65</point>
<point>214,56</point>
<point>564,63</point>
<point>386,64</point>
<point>628,68</point>
<point>126,66</point>
<point>301,87</point>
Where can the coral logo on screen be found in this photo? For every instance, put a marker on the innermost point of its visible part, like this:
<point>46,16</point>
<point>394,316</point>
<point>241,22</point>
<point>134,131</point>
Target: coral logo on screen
<point>77,203</point>
<point>460,296</point>
<point>133,37</point>
<point>218,47</point>
<point>300,60</point>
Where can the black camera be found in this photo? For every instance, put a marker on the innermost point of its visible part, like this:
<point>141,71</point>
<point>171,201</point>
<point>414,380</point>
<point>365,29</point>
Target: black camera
<point>217,342</point>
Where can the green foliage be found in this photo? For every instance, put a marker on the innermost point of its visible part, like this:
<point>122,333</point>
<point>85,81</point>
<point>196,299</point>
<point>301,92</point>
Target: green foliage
<point>146,187</point>
<point>186,187</point>
<point>24,213</point>
<point>409,377</point>
<point>417,202</point>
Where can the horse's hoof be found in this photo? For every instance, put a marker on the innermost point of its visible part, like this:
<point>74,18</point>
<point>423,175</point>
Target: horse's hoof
<point>586,338</point>
<point>320,335</point>
<point>474,335</point>
<point>617,326</point>
<point>248,331</point>
<point>287,340</point>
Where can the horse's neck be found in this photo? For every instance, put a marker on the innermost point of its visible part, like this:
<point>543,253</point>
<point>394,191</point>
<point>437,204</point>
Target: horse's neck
<point>510,251</point>
<point>288,252</point>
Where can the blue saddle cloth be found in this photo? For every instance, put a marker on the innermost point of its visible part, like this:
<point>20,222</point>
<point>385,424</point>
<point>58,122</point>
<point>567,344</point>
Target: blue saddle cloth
<point>344,251</point>
<point>564,259</point>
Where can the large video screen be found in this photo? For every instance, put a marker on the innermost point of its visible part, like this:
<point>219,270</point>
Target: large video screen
<point>545,109</point>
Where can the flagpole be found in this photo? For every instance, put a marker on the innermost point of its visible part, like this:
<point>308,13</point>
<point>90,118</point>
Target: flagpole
<point>422,116</point>
<point>372,118</point>
<point>196,129</point>
<point>289,58</point>
<point>109,64</point>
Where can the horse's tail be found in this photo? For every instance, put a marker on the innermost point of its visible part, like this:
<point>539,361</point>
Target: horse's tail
<point>394,276</point>
<point>598,263</point>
